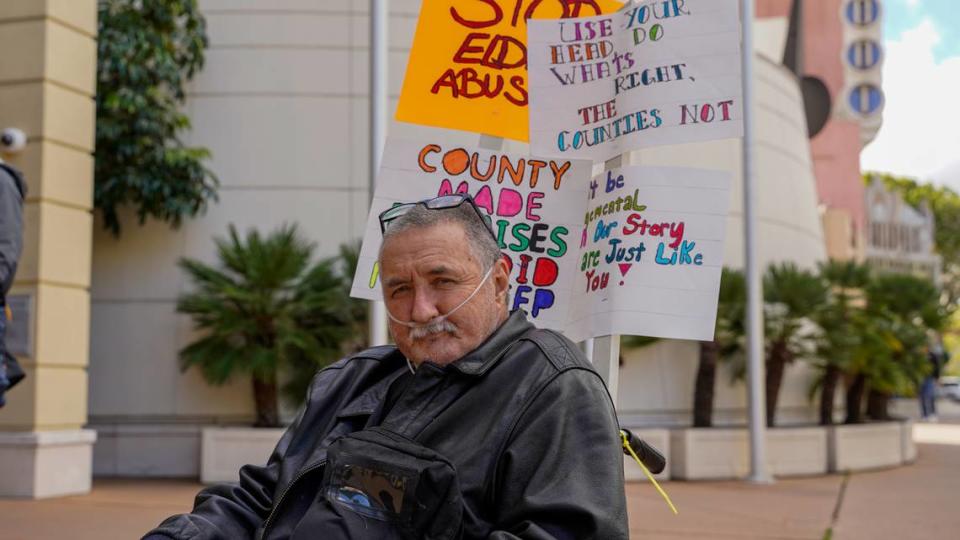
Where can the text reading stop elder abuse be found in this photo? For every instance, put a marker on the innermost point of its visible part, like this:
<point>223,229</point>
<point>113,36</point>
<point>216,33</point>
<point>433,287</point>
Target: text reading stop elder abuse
<point>468,63</point>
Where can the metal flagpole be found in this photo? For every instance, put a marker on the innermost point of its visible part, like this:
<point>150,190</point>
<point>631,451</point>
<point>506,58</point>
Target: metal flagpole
<point>755,367</point>
<point>379,20</point>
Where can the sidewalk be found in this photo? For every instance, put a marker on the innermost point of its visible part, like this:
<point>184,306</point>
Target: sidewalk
<point>917,501</point>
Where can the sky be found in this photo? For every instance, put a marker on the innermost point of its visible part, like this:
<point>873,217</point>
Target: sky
<point>920,136</point>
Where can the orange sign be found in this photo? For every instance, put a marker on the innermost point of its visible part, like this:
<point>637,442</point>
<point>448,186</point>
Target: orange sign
<point>468,65</point>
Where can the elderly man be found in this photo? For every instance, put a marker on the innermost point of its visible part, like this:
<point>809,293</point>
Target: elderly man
<point>476,425</point>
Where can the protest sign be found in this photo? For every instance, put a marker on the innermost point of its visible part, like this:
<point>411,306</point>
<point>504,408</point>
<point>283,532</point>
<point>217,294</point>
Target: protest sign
<point>467,67</point>
<point>653,73</point>
<point>651,254</point>
<point>536,207</point>
<point>636,250</point>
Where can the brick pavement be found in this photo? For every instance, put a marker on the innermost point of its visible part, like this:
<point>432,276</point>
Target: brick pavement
<point>917,501</point>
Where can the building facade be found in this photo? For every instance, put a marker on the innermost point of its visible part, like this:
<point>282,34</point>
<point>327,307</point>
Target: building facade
<point>900,237</point>
<point>283,105</point>
<point>840,47</point>
<point>47,82</point>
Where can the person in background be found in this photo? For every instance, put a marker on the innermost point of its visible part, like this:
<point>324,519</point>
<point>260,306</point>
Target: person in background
<point>12,191</point>
<point>928,388</point>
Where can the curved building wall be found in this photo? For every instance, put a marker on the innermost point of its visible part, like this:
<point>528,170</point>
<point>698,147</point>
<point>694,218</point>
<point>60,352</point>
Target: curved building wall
<point>656,383</point>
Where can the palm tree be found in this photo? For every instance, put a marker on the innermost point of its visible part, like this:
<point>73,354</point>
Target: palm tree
<point>727,342</point>
<point>908,309</point>
<point>876,337</point>
<point>264,308</point>
<point>792,296</point>
<point>841,328</point>
<point>331,282</point>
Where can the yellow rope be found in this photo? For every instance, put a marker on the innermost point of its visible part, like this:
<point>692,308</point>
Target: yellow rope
<point>623,437</point>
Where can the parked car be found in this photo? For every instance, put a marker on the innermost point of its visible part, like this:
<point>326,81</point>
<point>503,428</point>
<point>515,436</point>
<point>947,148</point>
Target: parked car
<point>950,388</point>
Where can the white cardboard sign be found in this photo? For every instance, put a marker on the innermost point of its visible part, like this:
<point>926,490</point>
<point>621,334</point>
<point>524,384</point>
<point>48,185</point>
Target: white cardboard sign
<point>535,205</point>
<point>637,250</point>
<point>651,254</point>
<point>653,73</point>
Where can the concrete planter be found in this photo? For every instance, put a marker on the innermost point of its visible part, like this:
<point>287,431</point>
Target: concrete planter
<point>908,446</point>
<point>147,451</point>
<point>797,451</point>
<point>42,464</point>
<point>723,453</point>
<point>866,446</point>
<point>657,438</point>
<point>224,450</point>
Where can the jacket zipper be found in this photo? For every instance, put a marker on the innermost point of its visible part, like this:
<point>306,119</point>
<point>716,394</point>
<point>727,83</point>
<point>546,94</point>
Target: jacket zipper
<point>273,511</point>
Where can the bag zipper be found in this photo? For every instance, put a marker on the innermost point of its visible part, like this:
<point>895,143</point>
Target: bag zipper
<point>400,438</point>
<point>273,511</point>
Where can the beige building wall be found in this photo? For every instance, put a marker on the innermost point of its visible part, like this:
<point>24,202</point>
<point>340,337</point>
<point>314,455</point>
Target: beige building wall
<point>840,235</point>
<point>47,84</point>
<point>283,105</point>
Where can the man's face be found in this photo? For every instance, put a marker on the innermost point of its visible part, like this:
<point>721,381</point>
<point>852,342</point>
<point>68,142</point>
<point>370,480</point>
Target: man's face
<point>428,271</point>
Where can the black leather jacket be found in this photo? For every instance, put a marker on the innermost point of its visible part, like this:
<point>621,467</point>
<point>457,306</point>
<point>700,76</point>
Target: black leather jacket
<point>525,421</point>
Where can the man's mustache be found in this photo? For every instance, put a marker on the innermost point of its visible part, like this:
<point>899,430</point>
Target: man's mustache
<point>434,327</point>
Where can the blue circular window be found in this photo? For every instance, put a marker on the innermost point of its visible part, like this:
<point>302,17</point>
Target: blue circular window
<point>866,99</point>
<point>863,54</point>
<point>863,12</point>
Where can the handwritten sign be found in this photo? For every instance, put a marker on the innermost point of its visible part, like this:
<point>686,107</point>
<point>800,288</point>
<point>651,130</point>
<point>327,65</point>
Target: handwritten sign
<point>651,254</point>
<point>636,250</point>
<point>467,67</point>
<point>535,205</point>
<point>653,73</point>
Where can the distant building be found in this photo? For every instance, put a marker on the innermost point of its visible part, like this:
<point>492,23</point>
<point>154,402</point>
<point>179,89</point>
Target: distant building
<point>838,47</point>
<point>900,238</point>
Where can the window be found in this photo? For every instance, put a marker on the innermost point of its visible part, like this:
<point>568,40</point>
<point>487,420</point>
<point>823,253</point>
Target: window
<point>866,99</point>
<point>862,12</point>
<point>863,54</point>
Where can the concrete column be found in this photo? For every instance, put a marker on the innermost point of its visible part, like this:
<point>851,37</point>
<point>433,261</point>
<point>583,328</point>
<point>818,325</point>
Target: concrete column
<point>48,59</point>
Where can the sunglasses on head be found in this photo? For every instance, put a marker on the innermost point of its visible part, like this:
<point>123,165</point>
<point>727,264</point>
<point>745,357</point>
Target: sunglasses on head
<point>444,202</point>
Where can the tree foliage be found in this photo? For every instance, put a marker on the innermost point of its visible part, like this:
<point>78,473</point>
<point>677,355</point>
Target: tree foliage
<point>792,297</point>
<point>267,307</point>
<point>874,332</point>
<point>841,320</point>
<point>728,342</point>
<point>147,52</point>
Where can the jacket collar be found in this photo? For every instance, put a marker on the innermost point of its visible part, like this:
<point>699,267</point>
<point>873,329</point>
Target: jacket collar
<point>475,363</point>
<point>484,357</point>
<point>370,399</point>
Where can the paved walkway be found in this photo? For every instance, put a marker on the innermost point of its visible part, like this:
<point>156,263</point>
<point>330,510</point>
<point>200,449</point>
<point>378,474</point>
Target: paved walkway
<point>918,501</point>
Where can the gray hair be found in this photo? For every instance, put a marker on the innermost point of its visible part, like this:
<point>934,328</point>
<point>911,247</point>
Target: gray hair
<point>482,243</point>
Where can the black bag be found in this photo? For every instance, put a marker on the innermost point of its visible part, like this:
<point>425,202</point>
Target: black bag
<point>378,484</point>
